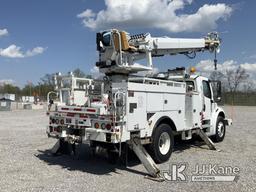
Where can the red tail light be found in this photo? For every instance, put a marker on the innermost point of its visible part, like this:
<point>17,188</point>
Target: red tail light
<point>62,121</point>
<point>96,125</point>
<point>108,126</point>
<point>58,129</point>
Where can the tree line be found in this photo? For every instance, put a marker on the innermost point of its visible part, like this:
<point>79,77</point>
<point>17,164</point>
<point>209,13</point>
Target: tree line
<point>237,86</point>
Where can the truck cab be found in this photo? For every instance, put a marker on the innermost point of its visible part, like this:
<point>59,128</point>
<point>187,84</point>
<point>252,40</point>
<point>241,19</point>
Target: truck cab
<point>201,106</point>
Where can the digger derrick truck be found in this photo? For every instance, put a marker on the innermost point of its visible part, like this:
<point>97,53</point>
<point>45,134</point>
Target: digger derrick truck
<point>146,110</point>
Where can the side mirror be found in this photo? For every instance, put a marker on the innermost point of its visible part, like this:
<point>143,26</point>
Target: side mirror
<point>218,96</point>
<point>216,88</point>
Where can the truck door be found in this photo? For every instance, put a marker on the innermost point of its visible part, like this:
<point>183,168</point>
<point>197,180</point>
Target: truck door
<point>207,99</point>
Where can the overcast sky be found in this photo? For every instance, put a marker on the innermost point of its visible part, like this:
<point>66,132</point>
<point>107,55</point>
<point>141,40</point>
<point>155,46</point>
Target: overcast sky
<point>47,36</point>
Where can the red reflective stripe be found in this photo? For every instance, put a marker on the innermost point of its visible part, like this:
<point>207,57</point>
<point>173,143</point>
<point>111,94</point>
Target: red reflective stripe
<point>83,116</point>
<point>77,109</point>
<point>70,114</point>
<point>91,110</point>
<point>64,109</point>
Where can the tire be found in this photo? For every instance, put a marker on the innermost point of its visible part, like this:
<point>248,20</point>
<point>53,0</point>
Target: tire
<point>162,143</point>
<point>220,130</point>
<point>65,147</point>
<point>112,157</point>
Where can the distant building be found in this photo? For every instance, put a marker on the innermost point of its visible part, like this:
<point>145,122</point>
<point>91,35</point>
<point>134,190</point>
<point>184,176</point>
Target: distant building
<point>5,104</point>
<point>28,99</point>
<point>7,96</point>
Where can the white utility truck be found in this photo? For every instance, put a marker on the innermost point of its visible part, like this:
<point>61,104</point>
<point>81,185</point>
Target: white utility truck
<point>145,110</point>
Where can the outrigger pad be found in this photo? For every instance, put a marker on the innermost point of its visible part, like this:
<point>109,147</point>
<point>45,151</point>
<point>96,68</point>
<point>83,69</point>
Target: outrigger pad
<point>206,139</point>
<point>144,157</point>
<point>56,147</point>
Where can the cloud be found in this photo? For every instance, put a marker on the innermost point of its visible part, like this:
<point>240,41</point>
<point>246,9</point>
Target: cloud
<point>35,51</point>
<point>3,32</point>
<point>94,70</point>
<point>156,14</point>
<point>95,73</point>
<point>6,81</point>
<point>205,67</point>
<point>252,56</point>
<point>249,67</point>
<point>14,51</point>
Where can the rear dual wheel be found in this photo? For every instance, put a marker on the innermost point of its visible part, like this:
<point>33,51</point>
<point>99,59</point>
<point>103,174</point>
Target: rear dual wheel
<point>65,147</point>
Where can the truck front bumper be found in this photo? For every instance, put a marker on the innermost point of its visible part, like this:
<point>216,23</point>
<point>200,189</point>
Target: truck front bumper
<point>228,122</point>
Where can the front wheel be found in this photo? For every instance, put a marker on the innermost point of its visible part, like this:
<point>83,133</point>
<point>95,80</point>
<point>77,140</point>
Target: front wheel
<point>162,143</point>
<point>220,130</point>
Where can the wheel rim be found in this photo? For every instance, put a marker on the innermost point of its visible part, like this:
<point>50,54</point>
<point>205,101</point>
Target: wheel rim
<point>164,143</point>
<point>220,129</point>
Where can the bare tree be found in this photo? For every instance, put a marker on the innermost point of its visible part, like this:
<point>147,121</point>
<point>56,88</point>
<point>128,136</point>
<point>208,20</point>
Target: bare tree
<point>235,78</point>
<point>249,86</point>
<point>79,73</point>
<point>216,76</point>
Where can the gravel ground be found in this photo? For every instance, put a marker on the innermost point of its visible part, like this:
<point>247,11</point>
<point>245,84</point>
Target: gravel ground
<point>26,165</point>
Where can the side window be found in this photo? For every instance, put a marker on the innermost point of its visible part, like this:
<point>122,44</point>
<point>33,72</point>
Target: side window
<point>207,89</point>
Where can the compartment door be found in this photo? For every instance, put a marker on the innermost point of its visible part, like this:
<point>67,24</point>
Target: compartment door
<point>136,111</point>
